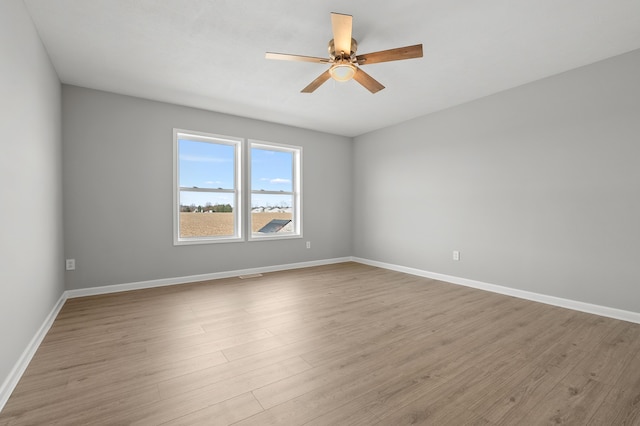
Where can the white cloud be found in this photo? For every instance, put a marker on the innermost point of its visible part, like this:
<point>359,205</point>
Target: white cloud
<point>280,180</point>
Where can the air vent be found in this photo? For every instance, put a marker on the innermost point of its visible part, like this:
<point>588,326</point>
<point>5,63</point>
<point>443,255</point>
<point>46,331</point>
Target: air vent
<point>246,277</point>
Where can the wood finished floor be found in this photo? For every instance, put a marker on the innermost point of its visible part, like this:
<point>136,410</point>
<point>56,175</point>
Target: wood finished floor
<point>331,345</point>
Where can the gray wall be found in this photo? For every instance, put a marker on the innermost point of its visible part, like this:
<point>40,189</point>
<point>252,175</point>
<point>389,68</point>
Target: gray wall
<point>31,257</point>
<point>538,187</point>
<point>118,185</point>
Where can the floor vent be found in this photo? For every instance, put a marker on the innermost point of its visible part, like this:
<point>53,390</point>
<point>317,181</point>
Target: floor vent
<point>246,277</point>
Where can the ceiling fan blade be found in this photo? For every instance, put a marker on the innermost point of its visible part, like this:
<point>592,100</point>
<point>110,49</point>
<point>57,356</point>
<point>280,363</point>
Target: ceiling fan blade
<point>407,52</point>
<point>317,82</point>
<point>299,58</point>
<point>342,25</point>
<point>367,81</point>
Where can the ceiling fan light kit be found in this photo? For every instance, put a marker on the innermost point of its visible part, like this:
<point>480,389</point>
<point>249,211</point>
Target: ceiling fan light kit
<point>342,71</point>
<point>343,59</point>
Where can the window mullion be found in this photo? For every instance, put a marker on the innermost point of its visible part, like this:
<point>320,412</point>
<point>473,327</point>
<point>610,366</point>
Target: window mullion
<point>196,189</point>
<point>261,191</point>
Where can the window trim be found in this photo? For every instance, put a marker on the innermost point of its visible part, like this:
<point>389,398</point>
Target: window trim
<point>296,192</point>
<point>238,144</point>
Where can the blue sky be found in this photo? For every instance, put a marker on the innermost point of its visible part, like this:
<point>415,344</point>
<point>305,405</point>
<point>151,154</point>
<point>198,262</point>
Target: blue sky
<point>209,165</point>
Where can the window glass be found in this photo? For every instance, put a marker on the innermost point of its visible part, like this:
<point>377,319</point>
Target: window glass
<point>271,170</point>
<point>206,165</point>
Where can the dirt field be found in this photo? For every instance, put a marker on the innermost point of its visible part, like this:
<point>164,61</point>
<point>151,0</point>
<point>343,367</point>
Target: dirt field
<point>217,224</point>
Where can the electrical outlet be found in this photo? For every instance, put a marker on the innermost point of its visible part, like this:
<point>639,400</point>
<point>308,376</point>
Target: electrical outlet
<point>308,244</point>
<point>456,255</point>
<point>70,264</point>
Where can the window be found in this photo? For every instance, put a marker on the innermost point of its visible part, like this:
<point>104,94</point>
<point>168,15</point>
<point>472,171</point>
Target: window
<point>208,182</point>
<point>208,200</point>
<point>275,195</point>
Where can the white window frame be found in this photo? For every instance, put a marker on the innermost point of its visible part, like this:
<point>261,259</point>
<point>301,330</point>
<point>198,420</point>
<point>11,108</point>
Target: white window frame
<point>296,192</point>
<point>237,143</point>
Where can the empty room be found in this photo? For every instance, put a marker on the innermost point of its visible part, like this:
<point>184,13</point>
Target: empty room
<point>320,213</point>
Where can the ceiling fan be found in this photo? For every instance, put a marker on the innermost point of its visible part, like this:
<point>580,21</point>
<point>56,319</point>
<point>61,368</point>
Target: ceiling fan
<point>343,59</point>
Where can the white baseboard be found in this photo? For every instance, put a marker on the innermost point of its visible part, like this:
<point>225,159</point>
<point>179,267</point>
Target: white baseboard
<point>93,291</point>
<point>18,370</point>
<point>521,294</point>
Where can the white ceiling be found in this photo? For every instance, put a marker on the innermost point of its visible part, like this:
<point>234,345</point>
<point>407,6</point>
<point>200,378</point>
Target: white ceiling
<point>210,53</point>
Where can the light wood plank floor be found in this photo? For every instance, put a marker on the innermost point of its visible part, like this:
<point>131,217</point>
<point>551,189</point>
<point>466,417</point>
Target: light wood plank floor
<point>331,345</point>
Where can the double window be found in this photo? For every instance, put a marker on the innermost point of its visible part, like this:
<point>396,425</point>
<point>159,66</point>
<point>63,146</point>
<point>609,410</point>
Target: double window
<point>211,204</point>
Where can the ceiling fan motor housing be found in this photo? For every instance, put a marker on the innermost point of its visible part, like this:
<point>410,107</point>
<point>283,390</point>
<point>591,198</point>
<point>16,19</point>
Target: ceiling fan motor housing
<point>347,55</point>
